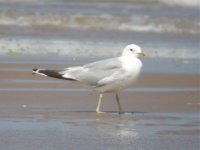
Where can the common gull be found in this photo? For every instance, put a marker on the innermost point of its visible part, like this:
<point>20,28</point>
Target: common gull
<point>109,75</point>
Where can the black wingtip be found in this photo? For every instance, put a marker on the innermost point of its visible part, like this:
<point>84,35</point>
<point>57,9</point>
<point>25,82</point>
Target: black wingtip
<point>35,69</point>
<point>51,73</point>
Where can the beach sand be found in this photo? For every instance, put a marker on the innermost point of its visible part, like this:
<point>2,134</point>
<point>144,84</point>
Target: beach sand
<point>161,112</point>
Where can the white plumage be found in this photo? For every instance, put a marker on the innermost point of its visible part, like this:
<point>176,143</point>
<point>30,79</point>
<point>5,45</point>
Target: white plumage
<point>110,75</point>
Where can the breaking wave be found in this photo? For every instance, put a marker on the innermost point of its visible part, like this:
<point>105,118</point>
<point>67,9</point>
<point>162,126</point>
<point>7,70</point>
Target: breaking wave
<point>103,21</point>
<point>166,27</point>
<point>106,21</point>
<point>190,3</point>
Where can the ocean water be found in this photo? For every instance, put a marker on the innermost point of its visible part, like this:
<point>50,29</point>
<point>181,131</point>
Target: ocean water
<point>82,28</point>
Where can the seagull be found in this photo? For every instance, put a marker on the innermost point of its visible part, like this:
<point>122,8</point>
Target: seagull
<point>108,75</point>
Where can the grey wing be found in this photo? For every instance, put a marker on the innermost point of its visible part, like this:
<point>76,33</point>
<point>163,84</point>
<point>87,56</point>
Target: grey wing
<point>96,74</point>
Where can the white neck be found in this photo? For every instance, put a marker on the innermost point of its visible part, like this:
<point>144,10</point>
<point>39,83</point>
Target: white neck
<point>131,62</point>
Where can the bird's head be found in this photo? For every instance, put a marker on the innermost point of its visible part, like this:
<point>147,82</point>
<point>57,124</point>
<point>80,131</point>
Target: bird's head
<point>133,50</point>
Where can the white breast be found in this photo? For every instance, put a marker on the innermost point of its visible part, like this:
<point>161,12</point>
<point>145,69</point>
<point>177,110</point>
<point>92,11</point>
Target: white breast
<point>132,65</point>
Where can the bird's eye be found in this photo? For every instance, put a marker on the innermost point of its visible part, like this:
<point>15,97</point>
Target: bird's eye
<point>131,49</point>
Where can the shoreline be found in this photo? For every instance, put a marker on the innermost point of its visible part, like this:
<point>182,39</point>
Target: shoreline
<point>153,92</point>
<point>36,110</point>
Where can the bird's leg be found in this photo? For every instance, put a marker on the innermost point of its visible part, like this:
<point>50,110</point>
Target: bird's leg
<point>118,103</point>
<point>99,104</point>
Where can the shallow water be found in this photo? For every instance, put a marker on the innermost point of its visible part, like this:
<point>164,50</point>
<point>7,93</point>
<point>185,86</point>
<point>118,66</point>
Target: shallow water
<point>99,28</point>
<point>86,130</point>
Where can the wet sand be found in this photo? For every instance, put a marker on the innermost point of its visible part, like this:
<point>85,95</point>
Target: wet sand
<point>161,112</point>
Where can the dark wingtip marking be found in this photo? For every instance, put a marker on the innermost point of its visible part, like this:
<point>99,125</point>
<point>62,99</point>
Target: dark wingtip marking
<point>52,73</point>
<point>70,79</point>
<point>35,69</point>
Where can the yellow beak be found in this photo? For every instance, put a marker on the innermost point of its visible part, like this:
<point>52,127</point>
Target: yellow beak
<point>143,54</point>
